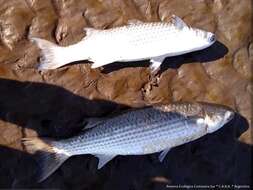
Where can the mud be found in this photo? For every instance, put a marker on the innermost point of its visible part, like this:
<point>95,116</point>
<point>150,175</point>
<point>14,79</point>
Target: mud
<point>56,103</point>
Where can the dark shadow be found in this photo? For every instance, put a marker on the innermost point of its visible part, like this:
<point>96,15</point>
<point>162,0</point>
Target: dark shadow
<point>120,65</point>
<point>217,158</point>
<point>15,166</point>
<point>214,52</point>
<point>33,105</point>
<point>49,111</point>
<point>78,62</point>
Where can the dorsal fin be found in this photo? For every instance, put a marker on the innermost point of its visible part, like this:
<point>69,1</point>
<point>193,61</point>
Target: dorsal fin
<point>178,22</point>
<point>134,22</point>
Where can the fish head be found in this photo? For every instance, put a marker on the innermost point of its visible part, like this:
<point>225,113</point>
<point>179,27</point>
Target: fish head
<point>212,116</point>
<point>215,116</point>
<point>199,39</point>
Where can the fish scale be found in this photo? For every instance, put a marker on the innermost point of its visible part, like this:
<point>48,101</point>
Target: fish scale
<point>141,127</point>
<point>134,132</point>
<point>133,42</point>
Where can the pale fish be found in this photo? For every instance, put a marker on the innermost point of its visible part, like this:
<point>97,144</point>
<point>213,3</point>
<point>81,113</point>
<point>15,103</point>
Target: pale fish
<point>133,42</point>
<point>134,132</point>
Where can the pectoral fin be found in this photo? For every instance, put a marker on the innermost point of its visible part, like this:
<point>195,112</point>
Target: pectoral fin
<point>163,154</point>
<point>92,122</point>
<point>103,159</point>
<point>156,63</point>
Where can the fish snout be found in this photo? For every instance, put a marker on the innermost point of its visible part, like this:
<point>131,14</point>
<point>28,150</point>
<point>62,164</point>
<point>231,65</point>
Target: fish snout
<point>229,115</point>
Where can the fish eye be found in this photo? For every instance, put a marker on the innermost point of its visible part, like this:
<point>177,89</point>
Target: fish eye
<point>211,38</point>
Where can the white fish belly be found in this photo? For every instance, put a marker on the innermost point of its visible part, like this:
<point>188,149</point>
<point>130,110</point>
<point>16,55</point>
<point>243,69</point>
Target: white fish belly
<point>136,42</point>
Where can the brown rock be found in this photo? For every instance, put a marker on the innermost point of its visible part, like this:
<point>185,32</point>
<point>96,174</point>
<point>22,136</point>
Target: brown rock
<point>242,63</point>
<point>14,20</point>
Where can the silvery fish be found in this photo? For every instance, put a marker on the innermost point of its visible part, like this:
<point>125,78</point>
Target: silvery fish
<point>133,42</point>
<point>135,132</point>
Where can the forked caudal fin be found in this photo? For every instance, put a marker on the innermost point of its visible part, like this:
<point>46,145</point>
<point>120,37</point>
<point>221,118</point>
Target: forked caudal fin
<point>52,55</point>
<point>47,155</point>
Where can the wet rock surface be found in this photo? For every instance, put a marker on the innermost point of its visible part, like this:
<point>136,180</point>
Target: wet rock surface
<point>56,103</point>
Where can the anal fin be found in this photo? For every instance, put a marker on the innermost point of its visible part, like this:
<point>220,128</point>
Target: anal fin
<point>156,63</point>
<point>163,154</point>
<point>92,122</point>
<point>103,159</point>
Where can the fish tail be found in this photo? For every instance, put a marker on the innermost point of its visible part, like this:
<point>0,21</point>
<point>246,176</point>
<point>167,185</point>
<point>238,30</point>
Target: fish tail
<point>47,155</point>
<point>52,55</point>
